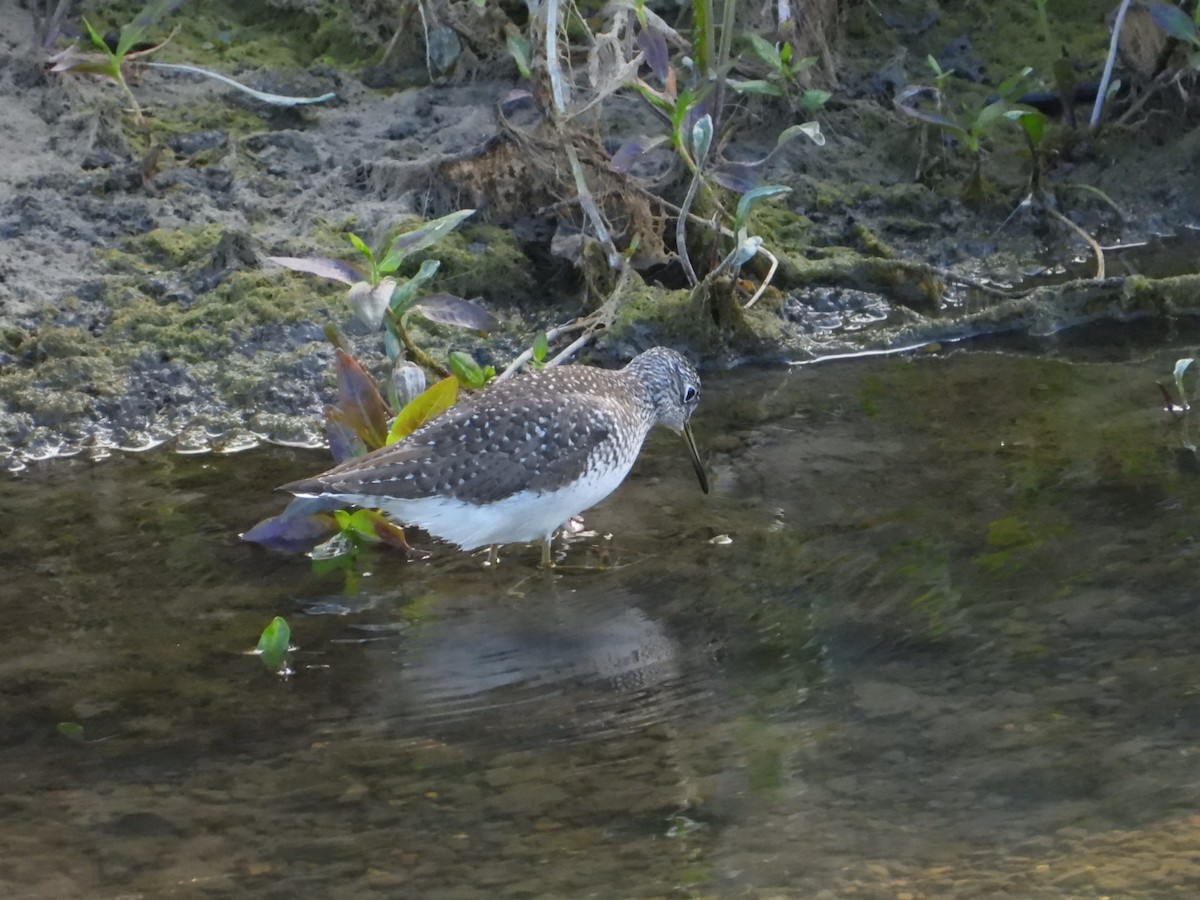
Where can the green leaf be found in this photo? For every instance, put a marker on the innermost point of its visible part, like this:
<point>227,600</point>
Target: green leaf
<point>1175,22</point>
<point>990,114</point>
<point>812,100</point>
<point>755,86</point>
<point>654,98</point>
<point>419,238</point>
<point>752,197</point>
<point>359,524</point>
<point>766,51</point>
<point>519,50</point>
<point>427,405</point>
<point>467,371</point>
<point>97,40</point>
<point>72,730</point>
<point>811,130</point>
<point>683,103</point>
<point>541,346</point>
<point>406,294</point>
<point>273,644</point>
<point>360,245</point>
<point>1010,86</point>
<point>1031,121</point>
<point>802,65</point>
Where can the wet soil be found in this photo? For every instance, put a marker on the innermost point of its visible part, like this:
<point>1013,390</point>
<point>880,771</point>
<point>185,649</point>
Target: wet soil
<point>136,306</point>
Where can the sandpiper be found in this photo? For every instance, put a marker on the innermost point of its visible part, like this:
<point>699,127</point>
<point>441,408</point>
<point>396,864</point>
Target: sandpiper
<point>515,462</point>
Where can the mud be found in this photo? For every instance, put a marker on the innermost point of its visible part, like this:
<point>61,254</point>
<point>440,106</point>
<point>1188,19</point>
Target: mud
<point>136,306</point>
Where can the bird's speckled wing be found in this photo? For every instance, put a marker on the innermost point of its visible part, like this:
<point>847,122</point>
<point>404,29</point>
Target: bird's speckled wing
<point>511,438</point>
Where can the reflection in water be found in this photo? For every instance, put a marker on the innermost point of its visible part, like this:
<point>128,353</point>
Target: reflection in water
<point>949,650</point>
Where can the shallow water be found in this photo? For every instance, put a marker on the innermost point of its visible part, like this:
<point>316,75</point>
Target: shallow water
<point>934,634</point>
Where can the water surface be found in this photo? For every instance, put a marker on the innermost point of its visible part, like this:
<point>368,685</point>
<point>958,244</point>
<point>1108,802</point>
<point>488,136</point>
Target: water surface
<point>934,634</point>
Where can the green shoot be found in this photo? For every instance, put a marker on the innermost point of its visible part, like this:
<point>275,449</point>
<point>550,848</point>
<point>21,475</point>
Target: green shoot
<point>274,644</point>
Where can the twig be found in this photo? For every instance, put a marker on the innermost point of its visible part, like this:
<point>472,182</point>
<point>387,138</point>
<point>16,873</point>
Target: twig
<point>551,333</point>
<point>762,288</point>
<point>571,348</point>
<point>681,221</point>
<point>1091,241</point>
<point>1163,78</point>
<point>1098,109</point>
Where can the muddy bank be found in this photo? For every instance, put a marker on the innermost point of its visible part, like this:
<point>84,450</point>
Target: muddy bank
<point>136,306</point>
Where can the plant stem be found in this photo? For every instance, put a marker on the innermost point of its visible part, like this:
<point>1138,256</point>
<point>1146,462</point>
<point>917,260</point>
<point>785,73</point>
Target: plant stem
<point>1098,109</point>
<point>415,353</point>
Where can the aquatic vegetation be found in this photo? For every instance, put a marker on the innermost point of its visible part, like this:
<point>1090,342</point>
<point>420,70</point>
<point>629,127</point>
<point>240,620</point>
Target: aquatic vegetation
<point>117,60</point>
<point>785,72</point>
<point>378,297</point>
<point>694,115</point>
<point>273,646</point>
<point>634,53</point>
<point>359,422</point>
<point>971,125</point>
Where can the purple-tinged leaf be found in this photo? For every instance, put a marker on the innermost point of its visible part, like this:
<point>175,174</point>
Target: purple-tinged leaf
<point>652,42</point>
<point>627,154</point>
<point>904,104</point>
<point>333,269</point>
<point>343,442</point>
<point>1175,22</point>
<point>360,405</point>
<point>630,152</point>
<point>737,177</point>
<point>446,309</point>
<point>388,532</point>
<point>291,534</point>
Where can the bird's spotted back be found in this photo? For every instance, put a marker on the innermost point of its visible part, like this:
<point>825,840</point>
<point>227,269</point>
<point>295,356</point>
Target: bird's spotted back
<point>535,433</point>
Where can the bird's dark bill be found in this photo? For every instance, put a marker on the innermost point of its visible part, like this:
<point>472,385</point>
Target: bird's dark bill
<point>695,455</point>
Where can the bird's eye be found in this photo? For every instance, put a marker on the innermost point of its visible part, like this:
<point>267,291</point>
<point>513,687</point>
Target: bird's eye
<point>690,394</point>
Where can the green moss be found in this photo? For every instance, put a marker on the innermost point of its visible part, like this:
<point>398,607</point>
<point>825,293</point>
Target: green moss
<point>781,228</point>
<point>670,316</point>
<point>478,260</point>
<point>172,248</point>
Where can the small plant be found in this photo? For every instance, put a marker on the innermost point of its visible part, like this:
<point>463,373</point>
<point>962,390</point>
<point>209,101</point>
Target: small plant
<point>359,422</point>
<point>971,127</point>
<point>378,298</point>
<point>785,72</point>
<point>117,62</point>
<point>692,113</point>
